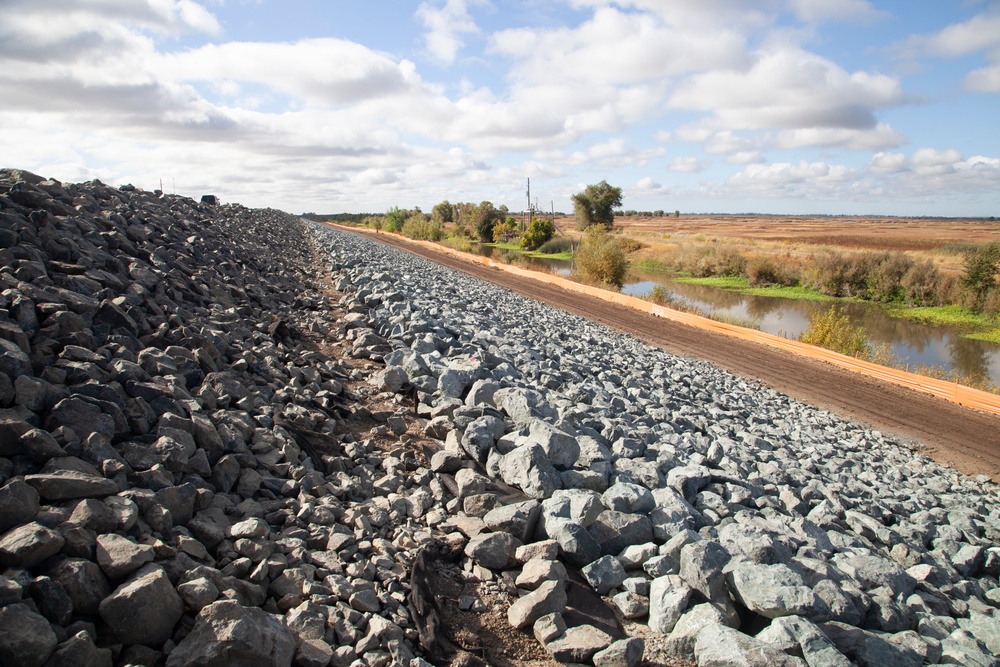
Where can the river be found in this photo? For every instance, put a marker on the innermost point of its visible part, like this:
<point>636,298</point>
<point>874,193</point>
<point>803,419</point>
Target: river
<point>913,343</point>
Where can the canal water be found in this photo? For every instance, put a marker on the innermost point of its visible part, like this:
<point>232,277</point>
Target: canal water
<point>914,344</point>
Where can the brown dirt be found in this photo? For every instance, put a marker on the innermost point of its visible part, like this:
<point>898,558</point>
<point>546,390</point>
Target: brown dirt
<point>966,440</point>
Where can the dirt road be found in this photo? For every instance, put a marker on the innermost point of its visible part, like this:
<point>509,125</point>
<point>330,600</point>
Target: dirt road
<point>964,439</point>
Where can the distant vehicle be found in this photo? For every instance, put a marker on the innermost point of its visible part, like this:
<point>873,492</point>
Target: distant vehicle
<point>210,199</point>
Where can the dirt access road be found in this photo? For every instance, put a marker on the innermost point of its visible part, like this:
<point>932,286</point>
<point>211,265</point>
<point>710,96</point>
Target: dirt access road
<point>964,439</point>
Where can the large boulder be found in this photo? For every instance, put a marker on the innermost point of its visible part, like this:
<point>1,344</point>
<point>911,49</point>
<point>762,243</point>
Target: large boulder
<point>143,610</point>
<point>227,634</point>
<point>26,640</point>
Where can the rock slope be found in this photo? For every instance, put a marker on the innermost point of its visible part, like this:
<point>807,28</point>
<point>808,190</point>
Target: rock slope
<point>207,457</point>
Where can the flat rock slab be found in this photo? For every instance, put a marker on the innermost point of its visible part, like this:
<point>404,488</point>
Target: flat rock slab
<point>70,484</point>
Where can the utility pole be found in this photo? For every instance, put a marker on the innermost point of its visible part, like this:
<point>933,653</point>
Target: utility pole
<point>529,207</point>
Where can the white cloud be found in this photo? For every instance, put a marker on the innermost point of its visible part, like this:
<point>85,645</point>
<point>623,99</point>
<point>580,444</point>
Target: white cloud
<point>813,11</point>
<point>685,165</point>
<point>793,90</point>
<point>745,157</point>
<point>445,24</point>
<point>928,161</point>
<point>980,34</point>
<point>784,179</point>
<point>727,142</point>
<point>888,163</point>
<point>615,48</point>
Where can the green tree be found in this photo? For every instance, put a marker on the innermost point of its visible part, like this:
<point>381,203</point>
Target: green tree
<point>395,217</point>
<point>981,268</point>
<point>538,233</point>
<point>486,217</point>
<point>443,212</point>
<point>600,258</point>
<point>506,231</point>
<point>596,205</point>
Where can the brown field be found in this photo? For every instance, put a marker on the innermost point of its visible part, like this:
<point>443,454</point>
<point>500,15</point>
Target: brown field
<point>798,237</point>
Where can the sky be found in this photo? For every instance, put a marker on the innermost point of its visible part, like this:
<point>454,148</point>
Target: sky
<point>703,106</point>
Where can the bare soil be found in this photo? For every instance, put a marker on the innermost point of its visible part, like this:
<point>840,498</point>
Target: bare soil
<point>964,439</point>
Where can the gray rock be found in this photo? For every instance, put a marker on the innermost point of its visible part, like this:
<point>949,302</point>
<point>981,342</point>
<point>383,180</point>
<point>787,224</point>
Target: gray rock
<point>18,504</point>
<point>681,641</point>
<point>479,438</point>
<point>628,498</point>
<point>492,550</point>
<point>631,605</point>
<point>701,566</point>
<point>720,646</point>
<point>28,545</point>
<point>538,570</point>
<point>26,640</point>
<point>527,468</point>
<point>576,544</point>
<point>560,447</point>
<point>614,531</point>
<point>668,599</point>
<point>118,556</point>
<point>604,574</point>
<point>807,638</point>
<point>774,590</point>
<point>548,598</point>
<point>579,644</point>
<point>689,480</point>
<point>143,610</point>
<point>80,651</point>
<point>548,627</point>
<point>227,634</point>
<point>70,484</point>
<point>518,519</point>
<point>622,653</point>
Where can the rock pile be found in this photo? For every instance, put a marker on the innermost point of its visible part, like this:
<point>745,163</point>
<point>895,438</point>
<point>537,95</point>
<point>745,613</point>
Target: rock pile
<point>206,458</point>
<point>178,484</point>
<point>743,527</point>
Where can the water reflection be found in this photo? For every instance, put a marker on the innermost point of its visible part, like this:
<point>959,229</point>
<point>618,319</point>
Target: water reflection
<point>913,343</point>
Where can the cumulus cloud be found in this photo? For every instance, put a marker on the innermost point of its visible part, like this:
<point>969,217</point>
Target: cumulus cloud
<point>792,90</point>
<point>445,23</point>
<point>617,48</point>
<point>980,34</point>
<point>802,179</point>
<point>686,165</point>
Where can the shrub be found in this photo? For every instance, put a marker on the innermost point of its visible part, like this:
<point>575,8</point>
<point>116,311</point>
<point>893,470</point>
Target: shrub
<point>762,272</point>
<point>556,246</point>
<point>885,277</point>
<point>922,284</point>
<point>662,296</point>
<point>833,330</point>
<point>418,226</point>
<point>600,259</point>
<point>981,267</point>
<point>539,232</point>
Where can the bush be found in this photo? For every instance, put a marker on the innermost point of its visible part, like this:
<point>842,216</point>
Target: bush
<point>662,296</point>
<point>600,259</point>
<point>539,232</point>
<point>556,246</point>
<point>762,272</point>
<point>833,330</point>
<point>417,226</point>
<point>922,284</point>
<point>981,267</point>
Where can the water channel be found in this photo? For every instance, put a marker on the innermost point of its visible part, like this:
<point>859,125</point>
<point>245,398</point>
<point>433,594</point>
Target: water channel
<point>913,343</point>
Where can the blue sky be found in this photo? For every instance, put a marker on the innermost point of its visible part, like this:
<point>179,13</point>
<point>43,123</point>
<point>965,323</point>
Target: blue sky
<point>774,106</point>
